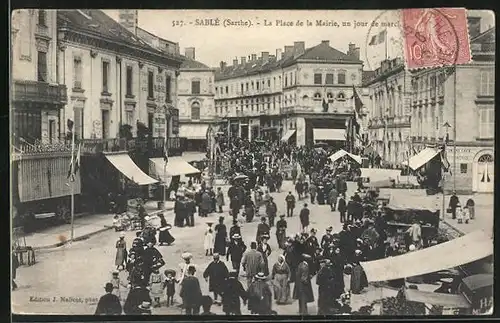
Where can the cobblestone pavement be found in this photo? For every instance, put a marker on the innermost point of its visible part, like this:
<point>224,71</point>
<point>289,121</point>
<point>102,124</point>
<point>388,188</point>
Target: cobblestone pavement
<point>71,278</point>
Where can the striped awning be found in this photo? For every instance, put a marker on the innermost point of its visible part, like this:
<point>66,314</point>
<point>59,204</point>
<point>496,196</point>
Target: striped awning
<point>329,134</point>
<point>129,169</point>
<point>193,131</point>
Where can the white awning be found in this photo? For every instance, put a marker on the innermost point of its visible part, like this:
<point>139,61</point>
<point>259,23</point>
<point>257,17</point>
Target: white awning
<point>193,131</point>
<point>329,134</point>
<point>288,134</point>
<point>438,299</point>
<point>127,167</point>
<point>380,174</point>
<point>341,153</point>
<point>176,166</point>
<point>193,156</point>
<point>421,158</point>
<point>463,250</point>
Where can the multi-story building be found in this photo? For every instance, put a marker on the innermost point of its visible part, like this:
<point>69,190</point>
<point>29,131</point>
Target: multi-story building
<point>389,122</point>
<point>38,94</point>
<point>195,97</point>
<point>455,102</point>
<point>299,94</point>
<point>116,79</point>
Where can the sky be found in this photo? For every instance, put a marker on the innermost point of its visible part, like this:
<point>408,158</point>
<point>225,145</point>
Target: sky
<point>214,44</point>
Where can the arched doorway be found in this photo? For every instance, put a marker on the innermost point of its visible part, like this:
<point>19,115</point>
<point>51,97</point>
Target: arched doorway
<point>484,176</point>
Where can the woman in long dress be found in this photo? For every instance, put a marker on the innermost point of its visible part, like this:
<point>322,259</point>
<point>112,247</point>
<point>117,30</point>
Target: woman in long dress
<point>208,243</point>
<point>220,237</point>
<point>281,278</point>
<point>164,236</point>
<point>121,252</point>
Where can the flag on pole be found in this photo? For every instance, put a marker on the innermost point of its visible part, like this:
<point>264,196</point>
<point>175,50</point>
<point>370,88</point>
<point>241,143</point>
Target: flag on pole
<point>358,105</point>
<point>378,38</point>
<point>74,165</point>
<point>165,151</point>
<point>444,160</point>
<point>325,102</point>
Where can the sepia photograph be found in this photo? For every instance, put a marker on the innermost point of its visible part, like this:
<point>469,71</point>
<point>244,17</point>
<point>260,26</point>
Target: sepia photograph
<point>252,162</point>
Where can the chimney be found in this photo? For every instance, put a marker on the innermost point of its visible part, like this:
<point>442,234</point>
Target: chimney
<point>474,26</point>
<point>235,61</point>
<point>243,60</point>
<point>288,51</point>
<point>129,19</point>
<point>325,42</point>
<point>299,47</point>
<point>189,53</point>
<point>222,65</point>
<point>254,57</point>
<point>352,46</point>
<point>279,54</point>
<point>265,56</point>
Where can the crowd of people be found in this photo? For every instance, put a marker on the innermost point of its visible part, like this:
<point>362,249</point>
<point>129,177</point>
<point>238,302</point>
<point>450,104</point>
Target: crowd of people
<point>256,171</point>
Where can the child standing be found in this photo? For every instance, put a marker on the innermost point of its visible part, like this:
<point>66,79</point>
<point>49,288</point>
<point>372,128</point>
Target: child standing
<point>156,281</point>
<point>169,284</point>
<point>209,240</point>
<point>117,284</point>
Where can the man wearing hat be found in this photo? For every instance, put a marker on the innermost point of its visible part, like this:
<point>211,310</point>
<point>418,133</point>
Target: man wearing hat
<point>260,297</point>
<point>262,229</point>
<point>453,204</point>
<point>342,208</point>
<point>271,210</point>
<point>302,289</point>
<point>327,238</point>
<point>290,204</point>
<point>191,292</point>
<point>312,242</point>
<point>281,226</point>
<point>232,292</point>
<point>216,273</point>
<point>109,304</point>
<point>324,280</point>
<point>304,217</point>
<point>236,249</point>
<point>252,262</point>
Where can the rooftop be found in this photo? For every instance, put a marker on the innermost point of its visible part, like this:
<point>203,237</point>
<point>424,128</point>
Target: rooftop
<point>192,64</point>
<point>321,53</point>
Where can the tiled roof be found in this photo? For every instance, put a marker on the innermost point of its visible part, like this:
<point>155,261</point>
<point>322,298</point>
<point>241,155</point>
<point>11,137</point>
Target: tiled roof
<point>192,64</point>
<point>321,52</point>
<point>98,23</point>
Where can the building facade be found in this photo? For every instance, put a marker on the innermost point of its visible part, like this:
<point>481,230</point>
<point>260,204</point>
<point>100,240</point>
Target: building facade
<point>38,94</point>
<point>115,79</point>
<point>293,94</point>
<point>455,102</point>
<point>195,99</point>
<point>389,125</point>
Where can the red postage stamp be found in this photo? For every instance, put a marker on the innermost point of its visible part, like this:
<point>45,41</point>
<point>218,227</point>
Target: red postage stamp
<point>435,37</point>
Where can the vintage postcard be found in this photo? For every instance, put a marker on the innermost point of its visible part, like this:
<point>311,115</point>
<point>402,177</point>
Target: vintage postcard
<point>217,162</point>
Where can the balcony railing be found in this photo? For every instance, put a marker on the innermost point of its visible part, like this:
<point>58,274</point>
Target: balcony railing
<point>32,91</point>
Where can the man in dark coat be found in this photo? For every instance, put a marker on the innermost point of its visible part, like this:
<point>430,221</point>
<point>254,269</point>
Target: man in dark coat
<point>262,229</point>
<point>342,207</point>
<point>216,273</point>
<point>236,250</point>
<point>136,296</point>
<point>232,292</point>
<point>271,210</point>
<point>312,243</point>
<point>190,210</point>
<point>180,212</point>
<point>324,280</point>
<point>220,237</point>
<point>191,292</point>
<point>304,217</point>
<point>302,289</point>
<point>109,304</point>
<point>290,204</point>
<point>281,227</point>
<point>453,204</point>
<point>351,209</point>
<point>151,258</point>
<point>327,238</point>
<point>332,198</point>
<point>235,229</point>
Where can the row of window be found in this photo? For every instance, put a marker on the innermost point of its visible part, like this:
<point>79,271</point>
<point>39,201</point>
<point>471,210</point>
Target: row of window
<point>129,77</point>
<point>290,79</point>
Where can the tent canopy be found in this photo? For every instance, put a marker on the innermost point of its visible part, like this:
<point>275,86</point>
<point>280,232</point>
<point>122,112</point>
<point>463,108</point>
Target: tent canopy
<point>341,153</point>
<point>439,299</point>
<point>288,134</point>
<point>176,166</point>
<point>380,174</point>
<point>127,167</point>
<point>422,158</point>
<point>329,134</point>
<point>473,246</point>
